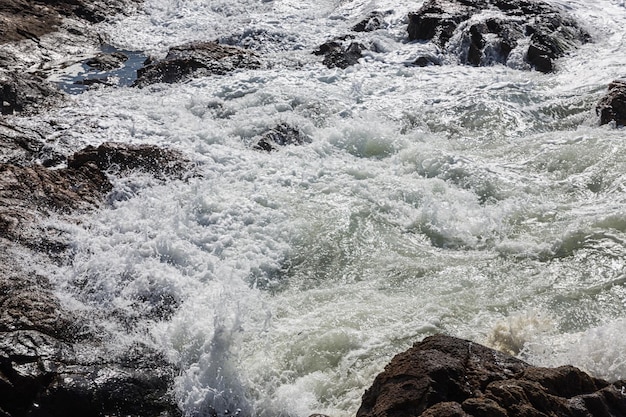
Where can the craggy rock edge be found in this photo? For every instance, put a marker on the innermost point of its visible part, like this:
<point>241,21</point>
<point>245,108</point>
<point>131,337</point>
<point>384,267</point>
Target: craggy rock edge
<point>445,376</point>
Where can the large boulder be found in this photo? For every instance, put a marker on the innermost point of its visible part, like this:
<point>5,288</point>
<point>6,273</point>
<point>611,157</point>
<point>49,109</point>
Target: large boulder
<point>196,59</point>
<point>445,376</point>
<point>340,52</point>
<point>612,107</point>
<point>485,32</point>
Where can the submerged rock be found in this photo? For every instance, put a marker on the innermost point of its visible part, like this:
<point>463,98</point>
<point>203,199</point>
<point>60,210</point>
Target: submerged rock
<point>281,135</point>
<point>107,62</point>
<point>196,59</point>
<point>486,32</point>
<point>612,107</point>
<point>445,376</point>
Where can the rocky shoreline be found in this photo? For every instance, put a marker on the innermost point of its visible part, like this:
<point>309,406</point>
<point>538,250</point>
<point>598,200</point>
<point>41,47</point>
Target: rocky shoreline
<point>53,363</point>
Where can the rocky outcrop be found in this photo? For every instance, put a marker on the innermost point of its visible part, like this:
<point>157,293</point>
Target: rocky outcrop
<point>281,135</point>
<point>27,19</point>
<point>54,362</point>
<point>486,32</point>
<point>196,59</point>
<point>612,107</point>
<point>340,52</point>
<point>445,376</point>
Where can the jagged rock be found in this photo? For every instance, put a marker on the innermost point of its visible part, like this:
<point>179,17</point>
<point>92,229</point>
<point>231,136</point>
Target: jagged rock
<point>122,157</point>
<point>340,53</point>
<point>26,19</point>
<point>196,59</point>
<point>612,107</point>
<point>24,91</point>
<point>107,62</point>
<point>281,135</point>
<point>445,376</point>
<point>372,22</point>
<point>489,38</point>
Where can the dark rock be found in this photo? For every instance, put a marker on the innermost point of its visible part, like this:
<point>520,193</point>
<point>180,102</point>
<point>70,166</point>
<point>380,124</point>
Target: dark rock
<point>426,61</point>
<point>444,376</point>
<point>612,107</point>
<point>281,135</point>
<point>548,31</point>
<point>25,92</point>
<point>196,59</point>
<point>107,62</point>
<point>374,21</point>
<point>340,53</point>
<point>121,158</point>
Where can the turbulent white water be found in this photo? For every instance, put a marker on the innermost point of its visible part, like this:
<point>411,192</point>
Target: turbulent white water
<point>484,203</point>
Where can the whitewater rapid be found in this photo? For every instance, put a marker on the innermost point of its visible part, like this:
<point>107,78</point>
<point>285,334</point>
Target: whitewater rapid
<point>485,203</point>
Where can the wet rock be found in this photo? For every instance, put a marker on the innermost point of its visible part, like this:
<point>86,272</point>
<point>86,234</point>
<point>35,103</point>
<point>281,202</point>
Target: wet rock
<point>25,19</point>
<point>122,157</point>
<point>340,53</point>
<point>196,59</point>
<point>612,107</point>
<point>444,376</point>
<point>107,62</point>
<point>487,32</point>
<point>426,61</point>
<point>282,135</point>
<point>25,92</point>
<point>374,21</point>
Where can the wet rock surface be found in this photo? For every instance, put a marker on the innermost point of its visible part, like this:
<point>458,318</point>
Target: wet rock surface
<point>25,92</point>
<point>446,376</point>
<point>486,32</point>
<point>281,135</point>
<point>612,107</point>
<point>196,59</point>
<point>123,158</point>
<point>340,52</point>
<point>53,361</point>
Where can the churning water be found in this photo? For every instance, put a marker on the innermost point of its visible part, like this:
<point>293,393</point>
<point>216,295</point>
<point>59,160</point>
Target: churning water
<point>485,203</point>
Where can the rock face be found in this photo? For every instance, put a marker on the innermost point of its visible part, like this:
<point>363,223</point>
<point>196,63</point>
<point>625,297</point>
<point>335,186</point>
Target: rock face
<point>485,32</point>
<point>444,376</point>
<point>612,107</point>
<point>196,59</point>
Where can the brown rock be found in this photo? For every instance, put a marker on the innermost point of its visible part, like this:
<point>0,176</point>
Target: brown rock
<point>121,158</point>
<point>612,107</point>
<point>445,376</point>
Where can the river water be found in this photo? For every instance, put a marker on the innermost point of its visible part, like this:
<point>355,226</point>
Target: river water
<point>484,203</point>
